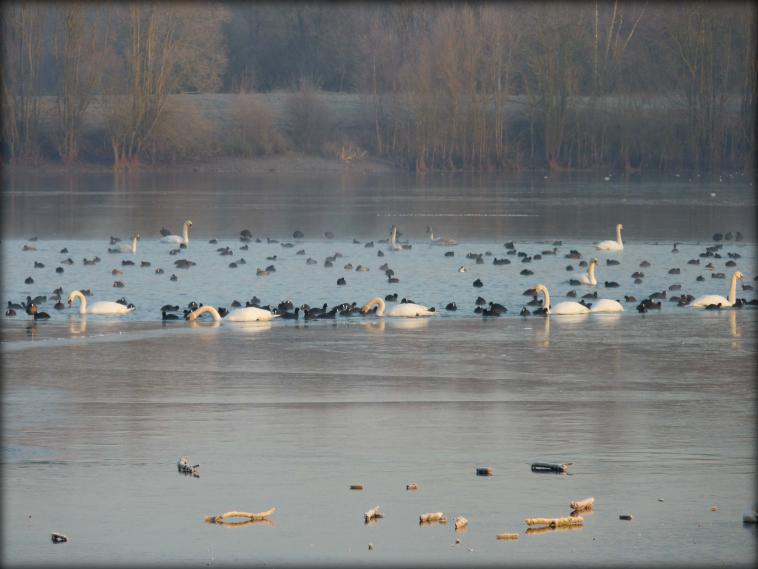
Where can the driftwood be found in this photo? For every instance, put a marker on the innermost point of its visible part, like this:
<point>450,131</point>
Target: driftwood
<point>411,486</point>
<point>58,537</point>
<point>372,514</point>
<point>579,505</point>
<point>625,517</point>
<point>460,522</point>
<point>507,536</point>
<point>432,517</point>
<point>221,518</point>
<point>245,523</point>
<point>547,529</point>
<point>555,522</point>
<point>356,486</point>
<point>484,471</point>
<point>550,467</point>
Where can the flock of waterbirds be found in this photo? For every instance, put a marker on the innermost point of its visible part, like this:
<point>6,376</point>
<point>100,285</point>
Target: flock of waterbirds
<point>253,310</point>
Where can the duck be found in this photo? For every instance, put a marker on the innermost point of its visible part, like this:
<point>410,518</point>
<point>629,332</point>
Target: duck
<point>707,299</point>
<point>566,307</point>
<point>290,315</point>
<point>33,311</point>
<point>611,245</point>
<point>589,277</point>
<point>125,248</point>
<point>166,316</point>
<point>100,307</point>
<point>176,239</point>
<point>407,310</point>
<point>451,306</point>
<point>442,241</point>
<point>524,311</point>
<point>249,314</point>
<point>675,250</point>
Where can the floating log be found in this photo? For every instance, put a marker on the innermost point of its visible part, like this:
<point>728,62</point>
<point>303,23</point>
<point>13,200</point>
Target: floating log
<point>550,467</point>
<point>371,547</point>
<point>220,519</point>
<point>432,517</point>
<point>58,537</point>
<point>460,522</point>
<point>548,529</point>
<point>372,514</point>
<point>555,522</point>
<point>245,523</point>
<point>507,536</point>
<point>484,471</point>
<point>579,505</point>
<point>625,517</point>
<point>356,486</point>
<point>411,486</point>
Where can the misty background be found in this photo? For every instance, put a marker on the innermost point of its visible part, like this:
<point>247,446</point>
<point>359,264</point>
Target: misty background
<point>629,86</point>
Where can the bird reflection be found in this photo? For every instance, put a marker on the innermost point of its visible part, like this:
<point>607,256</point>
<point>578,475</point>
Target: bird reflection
<point>374,325</point>
<point>250,327</point>
<point>735,331</point>
<point>201,324</point>
<point>543,339</point>
<point>31,329</point>
<point>547,529</point>
<point>77,325</point>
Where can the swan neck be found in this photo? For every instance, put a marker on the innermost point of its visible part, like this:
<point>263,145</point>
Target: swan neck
<point>185,234</point>
<point>134,246</point>
<point>82,301</point>
<point>208,310</point>
<point>382,306</point>
<point>393,235</point>
<point>591,272</point>
<point>732,298</point>
<point>618,235</point>
<point>547,298</point>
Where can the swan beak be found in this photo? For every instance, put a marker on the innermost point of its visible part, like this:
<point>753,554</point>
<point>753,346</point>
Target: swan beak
<point>69,303</point>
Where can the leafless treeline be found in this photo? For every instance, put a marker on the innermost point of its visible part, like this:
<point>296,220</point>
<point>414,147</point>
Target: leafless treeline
<point>615,85</point>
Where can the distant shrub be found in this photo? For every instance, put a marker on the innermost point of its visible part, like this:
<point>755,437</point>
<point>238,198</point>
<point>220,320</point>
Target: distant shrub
<point>253,132</point>
<point>310,126</point>
<point>183,133</point>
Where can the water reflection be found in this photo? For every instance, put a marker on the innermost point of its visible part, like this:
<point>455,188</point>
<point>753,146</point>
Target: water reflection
<point>408,323</point>
<point>250,328</point>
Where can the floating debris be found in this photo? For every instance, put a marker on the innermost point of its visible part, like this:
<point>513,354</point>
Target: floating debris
<point>57,537</point>
<point>460,522</point>
<point>184,466</point>
<point>356,486</point>
<point>507,536</point>
<point>222,518</point>
<point>555,522</point>
<point>432,517</point>
<point>579,505</point>
<point>550,467</point>
<point>371,547</point>
<point>625,517</point>
<point>372,514</point>
<point>485,471</point>
<point>411,486</point>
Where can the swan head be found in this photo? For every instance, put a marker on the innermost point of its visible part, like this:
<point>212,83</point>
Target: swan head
<point>188,223</point>
<point>191,315</point>
<point>540,288</point>
<point>739,276</point>
<point>619,226</point>
<point>137,236</point>
<point>366,308</point>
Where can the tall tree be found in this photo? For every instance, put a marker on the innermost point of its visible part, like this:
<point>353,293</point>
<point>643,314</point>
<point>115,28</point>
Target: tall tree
<point>23,27</point>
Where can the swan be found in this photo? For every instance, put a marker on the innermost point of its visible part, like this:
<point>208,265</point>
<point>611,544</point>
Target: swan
<point>126,248</point>
<point>100,307</point>
<point>443,241</point>
<point>393,244</point>
<point>179,240</point>
<point>606,305</point>
<point>589,277</point>
<point>249,314</point>
<point>566,307</point>
<point>406,309</point>
<point>704,301</point>
<point>609,245</point>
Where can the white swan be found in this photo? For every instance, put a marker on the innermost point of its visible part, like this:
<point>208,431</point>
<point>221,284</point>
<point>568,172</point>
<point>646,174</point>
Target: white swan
<point>248,314</point>
<point>406,309</point>
<point>393,244</point>
<point>567,307</point>
<point>606,305</point>
<point>99,307</point>
<point>589,277</point>
<point>442,241</point>
<point>609,245</point>
<point>704,301</point>
<point>126,248</point>
<point>179,240</point>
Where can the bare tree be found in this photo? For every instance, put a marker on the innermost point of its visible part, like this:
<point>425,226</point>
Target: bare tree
<point>170,48</point>
<point>23,26</point>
